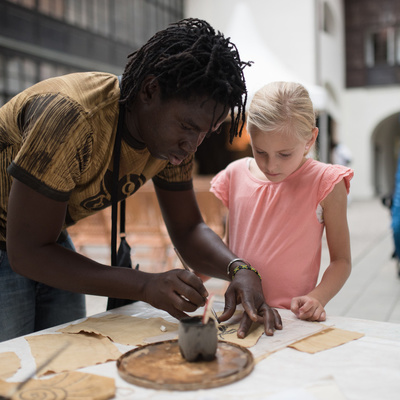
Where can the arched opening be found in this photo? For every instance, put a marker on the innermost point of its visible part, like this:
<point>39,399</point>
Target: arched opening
<point>385,146</point>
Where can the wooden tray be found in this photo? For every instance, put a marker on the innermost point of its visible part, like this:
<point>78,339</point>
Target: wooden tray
<point>161,366</point>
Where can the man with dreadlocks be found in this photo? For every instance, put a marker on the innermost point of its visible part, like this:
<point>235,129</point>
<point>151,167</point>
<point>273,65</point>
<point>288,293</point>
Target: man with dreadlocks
<point>56,161</point>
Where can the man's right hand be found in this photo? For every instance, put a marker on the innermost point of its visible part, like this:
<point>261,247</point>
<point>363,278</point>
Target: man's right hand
<point>176,291</point>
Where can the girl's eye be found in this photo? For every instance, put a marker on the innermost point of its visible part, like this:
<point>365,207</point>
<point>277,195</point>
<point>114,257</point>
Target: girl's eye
<point>285,155</point>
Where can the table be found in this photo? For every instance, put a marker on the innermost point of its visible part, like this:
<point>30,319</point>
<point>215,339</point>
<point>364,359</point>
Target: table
<point>367,368</point>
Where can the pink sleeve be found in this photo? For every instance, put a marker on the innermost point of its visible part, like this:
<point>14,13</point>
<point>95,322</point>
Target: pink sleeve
<point>220,187</point>
<point>333,175</point>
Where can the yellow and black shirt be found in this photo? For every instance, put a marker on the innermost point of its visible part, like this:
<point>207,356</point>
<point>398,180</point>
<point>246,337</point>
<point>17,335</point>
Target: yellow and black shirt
<point>58,138</point>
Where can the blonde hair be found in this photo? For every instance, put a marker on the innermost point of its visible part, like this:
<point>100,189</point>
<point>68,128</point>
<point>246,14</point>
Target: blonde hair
<point>282,107</point>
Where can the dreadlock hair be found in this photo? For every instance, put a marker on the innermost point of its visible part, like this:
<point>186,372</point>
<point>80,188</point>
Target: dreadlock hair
<point>190,59</point>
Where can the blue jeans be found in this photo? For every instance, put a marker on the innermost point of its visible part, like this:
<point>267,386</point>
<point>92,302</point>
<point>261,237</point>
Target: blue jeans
<point>27,306</point>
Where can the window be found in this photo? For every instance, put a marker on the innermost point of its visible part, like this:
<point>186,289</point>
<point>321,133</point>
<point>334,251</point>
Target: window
<point>101,19</point>
<point>25,3</point>
<point>127,21</point>
<point>382,47</point>
<point>46,71</point>
<point>2,77</point>
<point>328,21</point>
<point>76,12</point>
<point>14,84</point>
<point>28,73</point>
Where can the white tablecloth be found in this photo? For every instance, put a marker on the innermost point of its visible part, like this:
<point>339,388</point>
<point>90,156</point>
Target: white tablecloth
<point>367,368</point>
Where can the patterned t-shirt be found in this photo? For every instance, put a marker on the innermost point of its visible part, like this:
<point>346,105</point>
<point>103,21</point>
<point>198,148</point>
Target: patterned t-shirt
<point>58,138</point>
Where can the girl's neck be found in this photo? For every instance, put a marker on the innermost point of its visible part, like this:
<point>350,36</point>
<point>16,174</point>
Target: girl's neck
<point>255,171</point>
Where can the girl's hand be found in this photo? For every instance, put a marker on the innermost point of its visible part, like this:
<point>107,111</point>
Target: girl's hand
<point>308,308</point>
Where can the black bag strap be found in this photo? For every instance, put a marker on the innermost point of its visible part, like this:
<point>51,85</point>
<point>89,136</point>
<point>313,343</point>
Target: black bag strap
<point>122,257</point>
<point>114,192</point>
<point>122,208</point>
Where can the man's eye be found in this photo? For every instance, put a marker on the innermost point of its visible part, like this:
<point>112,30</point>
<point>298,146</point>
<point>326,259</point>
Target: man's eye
<point>217,132</point>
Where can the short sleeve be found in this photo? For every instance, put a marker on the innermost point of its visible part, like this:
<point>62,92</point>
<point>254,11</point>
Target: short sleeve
<point>332,176</point>
<point>56,145</point>
<point>220,186</point>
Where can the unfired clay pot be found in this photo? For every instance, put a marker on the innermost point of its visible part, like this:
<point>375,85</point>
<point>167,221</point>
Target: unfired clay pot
<point>197,341</point>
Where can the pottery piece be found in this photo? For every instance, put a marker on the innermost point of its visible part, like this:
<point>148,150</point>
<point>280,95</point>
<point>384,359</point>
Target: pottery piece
<point>197,341</point>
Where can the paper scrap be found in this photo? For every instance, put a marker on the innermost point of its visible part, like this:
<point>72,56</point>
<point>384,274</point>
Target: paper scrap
<point>83,350</point>
<point>123,329</point>
<point>9,364</point>
<point>227,332</point>
<point>68,385</point>
<point>327,339</point>
<point>293,330</point>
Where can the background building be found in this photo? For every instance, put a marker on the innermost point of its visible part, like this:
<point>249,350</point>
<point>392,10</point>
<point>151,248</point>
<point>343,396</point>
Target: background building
<point>346,52</point>
<point>44,38</point>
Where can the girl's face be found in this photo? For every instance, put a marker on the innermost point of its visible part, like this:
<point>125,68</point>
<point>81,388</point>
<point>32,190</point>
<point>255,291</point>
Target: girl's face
<point>278,154</point>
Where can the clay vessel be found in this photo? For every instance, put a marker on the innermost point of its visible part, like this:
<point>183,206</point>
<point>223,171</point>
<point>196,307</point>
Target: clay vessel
<point>197,341</point>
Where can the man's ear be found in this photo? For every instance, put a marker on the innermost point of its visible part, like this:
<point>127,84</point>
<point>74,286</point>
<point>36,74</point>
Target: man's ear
<point>149,88</point>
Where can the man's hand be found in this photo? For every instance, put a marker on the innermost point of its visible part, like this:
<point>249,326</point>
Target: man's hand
<point>175,291</point>
<point>246,289</point>
<point>308,308</point>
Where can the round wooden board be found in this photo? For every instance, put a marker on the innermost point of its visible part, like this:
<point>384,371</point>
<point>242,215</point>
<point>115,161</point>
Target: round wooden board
<point>161,366</point>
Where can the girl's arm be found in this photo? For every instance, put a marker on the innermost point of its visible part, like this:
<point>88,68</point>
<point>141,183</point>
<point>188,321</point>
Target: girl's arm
<point>311,306</point>
<point>226,236</point>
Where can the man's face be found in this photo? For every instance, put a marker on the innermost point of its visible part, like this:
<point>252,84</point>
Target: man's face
<point>173,129</point>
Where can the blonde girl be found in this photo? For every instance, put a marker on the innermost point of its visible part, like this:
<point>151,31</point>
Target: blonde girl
<point>281,201</point>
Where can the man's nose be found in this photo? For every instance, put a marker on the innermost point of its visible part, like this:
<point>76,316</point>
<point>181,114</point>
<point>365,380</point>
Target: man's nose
<point>190,146</point>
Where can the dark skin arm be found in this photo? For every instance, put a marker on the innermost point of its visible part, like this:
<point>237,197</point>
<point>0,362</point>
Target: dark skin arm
<point>205,252</point>
<point>33,227</point>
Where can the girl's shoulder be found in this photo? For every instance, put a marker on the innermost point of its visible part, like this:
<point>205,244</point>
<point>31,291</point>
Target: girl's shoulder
<point>237,167</point>
<point>239,164</point>
<point>330,170</point>
<point>329,175</point>
<point>234,171</point>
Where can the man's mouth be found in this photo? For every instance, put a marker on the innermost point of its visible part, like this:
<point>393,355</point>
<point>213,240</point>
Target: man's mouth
<point>175,160</point>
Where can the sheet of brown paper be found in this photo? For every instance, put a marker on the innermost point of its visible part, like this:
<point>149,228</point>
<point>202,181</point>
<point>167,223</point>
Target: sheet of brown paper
<point>68,385</point>
<point>83,350</point>
<point>327,339</point>
<point>134,331</point>
<point>9,364</point>
<point>227,332</point>
<point>123,329</point>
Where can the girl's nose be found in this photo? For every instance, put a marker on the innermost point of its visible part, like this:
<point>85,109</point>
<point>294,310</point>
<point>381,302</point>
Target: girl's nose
<point>270,165</point>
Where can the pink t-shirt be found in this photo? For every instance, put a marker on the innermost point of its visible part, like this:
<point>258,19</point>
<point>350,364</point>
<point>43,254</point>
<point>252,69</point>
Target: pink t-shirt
<point>275,227</point>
